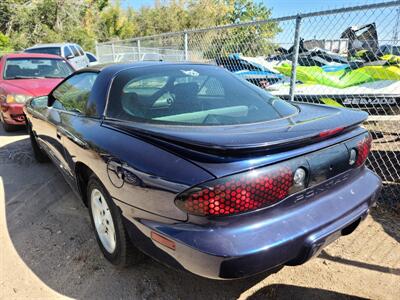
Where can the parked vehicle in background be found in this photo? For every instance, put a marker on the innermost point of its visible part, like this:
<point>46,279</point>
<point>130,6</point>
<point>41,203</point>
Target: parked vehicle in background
<point>92,59</point>
<point>253,69</point>
<point>72,52</point>
<point>27,75</point>
<point>203,170</point>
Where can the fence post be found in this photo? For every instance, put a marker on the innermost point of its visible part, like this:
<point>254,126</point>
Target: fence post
<point>185,36</point>
<point>113,51</point>
<point>295,57</point>
<point>138,50</point>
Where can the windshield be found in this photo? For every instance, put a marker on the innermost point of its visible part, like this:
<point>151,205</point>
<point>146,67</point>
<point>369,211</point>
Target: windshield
<point>21,68</point>
<point>191,95</point>
<point>45,50</point>
<point>91,57</point>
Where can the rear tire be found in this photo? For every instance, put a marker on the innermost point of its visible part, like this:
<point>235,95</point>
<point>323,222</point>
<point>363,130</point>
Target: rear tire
<point>38,153</point>
<point>110,232</point>
<point>8,127</point>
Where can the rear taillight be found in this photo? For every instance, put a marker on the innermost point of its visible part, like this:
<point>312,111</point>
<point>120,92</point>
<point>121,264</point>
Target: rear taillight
<point>330,132</point>
<point>239,193</point>
<point>363,148</point>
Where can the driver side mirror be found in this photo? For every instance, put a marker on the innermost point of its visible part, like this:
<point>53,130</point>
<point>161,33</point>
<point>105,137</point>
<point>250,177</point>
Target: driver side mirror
<point>70,56</point>
<point>39,102</point>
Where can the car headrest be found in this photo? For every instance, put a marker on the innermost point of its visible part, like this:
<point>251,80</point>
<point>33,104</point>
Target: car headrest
<point>184,91</point>
<point>129,99</point>
<point>130,103</point>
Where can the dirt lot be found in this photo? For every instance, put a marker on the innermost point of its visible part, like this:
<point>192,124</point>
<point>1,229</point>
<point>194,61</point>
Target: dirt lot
<point>48,251</point>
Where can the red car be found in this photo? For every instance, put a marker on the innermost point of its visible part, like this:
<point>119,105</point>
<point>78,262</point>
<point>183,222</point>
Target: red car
<point>27,75</point>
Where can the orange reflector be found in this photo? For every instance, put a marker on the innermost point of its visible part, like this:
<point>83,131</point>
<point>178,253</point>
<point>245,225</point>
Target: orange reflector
<point>162,240</point>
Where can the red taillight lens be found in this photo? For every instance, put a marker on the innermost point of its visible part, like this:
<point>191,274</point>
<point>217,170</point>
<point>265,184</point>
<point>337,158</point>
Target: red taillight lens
<point>363,148</point>
<point>329,132</point>
<point>238,193</point>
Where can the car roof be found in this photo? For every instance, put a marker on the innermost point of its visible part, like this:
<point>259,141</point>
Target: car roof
<point>116,67</point>
<point>31,55</point>
<point>51,45</point>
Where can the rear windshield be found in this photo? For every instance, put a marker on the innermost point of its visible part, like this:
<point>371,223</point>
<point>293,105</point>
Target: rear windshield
<point>191,95</point>
<point>25,68</point>
<point>45,50</point>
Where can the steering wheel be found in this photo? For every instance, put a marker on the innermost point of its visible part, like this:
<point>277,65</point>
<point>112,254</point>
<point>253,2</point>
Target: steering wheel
<point>171,99</point>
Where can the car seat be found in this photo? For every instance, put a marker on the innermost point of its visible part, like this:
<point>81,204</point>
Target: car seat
<point>185,97</point>
<point>131,105</point>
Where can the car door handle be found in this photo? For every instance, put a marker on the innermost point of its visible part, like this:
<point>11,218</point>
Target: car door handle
<point>58,133</point>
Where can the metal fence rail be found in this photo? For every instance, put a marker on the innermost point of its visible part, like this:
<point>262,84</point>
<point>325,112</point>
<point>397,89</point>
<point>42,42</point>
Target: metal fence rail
<point>343,57</point>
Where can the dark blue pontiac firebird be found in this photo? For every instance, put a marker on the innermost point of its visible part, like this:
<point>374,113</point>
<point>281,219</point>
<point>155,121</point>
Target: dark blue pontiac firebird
<point>202,170</point>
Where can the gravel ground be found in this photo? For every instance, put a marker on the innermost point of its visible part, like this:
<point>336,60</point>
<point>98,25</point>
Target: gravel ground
<point>48,251</point>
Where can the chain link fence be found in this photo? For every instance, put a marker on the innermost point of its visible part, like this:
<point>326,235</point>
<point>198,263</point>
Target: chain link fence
<point>347,57</point>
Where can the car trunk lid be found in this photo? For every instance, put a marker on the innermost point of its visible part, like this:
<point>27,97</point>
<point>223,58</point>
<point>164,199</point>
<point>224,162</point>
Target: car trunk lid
<point>312,124</point>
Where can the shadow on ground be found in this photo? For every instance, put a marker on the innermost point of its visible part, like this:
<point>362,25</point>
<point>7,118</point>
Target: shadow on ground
<point>359,264</point>
<point>284,291</point>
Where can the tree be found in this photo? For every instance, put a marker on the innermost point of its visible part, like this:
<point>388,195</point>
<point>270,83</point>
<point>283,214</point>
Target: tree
<point>5,45</point>
<point>27,22</point>
<point>116,23</point>
<point>249,40</point>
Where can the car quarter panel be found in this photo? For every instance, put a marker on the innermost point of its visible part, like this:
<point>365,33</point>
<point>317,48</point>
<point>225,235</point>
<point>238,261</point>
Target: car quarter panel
<point>133,171</point>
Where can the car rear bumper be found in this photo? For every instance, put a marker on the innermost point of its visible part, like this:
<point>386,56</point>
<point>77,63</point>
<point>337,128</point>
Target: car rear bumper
<point>240,246</point>
<point>13,113</point>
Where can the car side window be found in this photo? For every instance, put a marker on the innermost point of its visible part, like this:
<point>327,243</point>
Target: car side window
<point>75,50</point>
<point>73,94</point>
<point>81,52</point>
<point>67,51</point>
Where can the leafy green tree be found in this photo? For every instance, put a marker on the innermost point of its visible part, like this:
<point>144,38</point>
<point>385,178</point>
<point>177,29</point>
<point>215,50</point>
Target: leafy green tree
<point>5,45</point>
<point>116,23</point>
<point>24,23</point>
<point>248,40</point>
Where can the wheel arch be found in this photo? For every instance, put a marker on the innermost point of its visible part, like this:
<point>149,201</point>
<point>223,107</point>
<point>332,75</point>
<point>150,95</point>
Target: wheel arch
<point>83,173</point>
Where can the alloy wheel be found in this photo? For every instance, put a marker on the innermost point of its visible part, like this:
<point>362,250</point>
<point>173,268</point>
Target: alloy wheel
<point>103,220</point>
